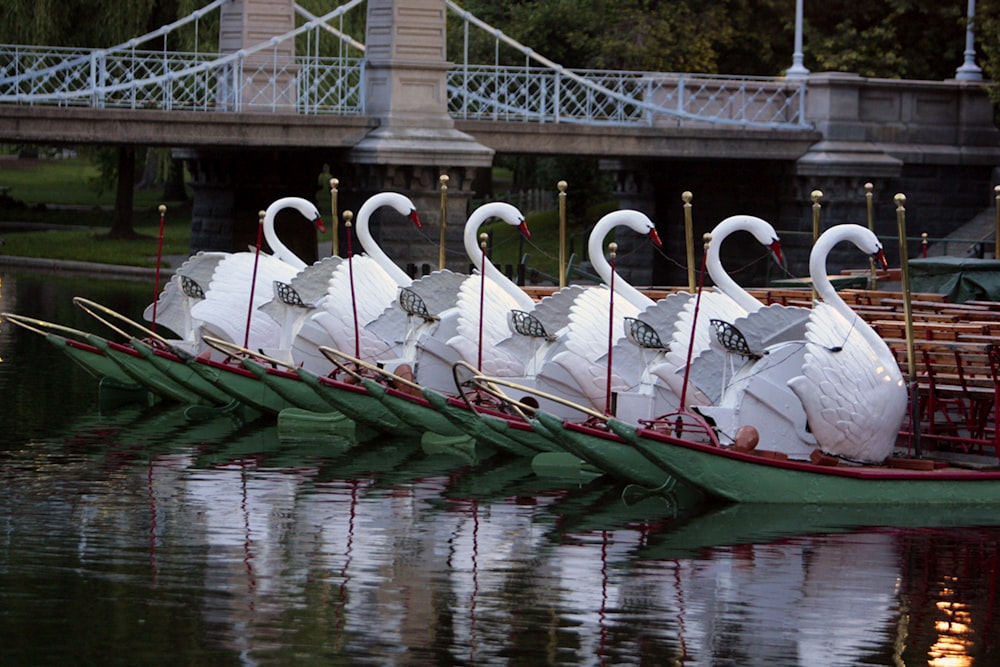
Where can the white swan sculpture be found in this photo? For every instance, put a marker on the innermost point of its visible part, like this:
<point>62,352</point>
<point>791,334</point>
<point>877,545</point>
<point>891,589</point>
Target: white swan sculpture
<point>329,318</point>
<point>840,389</point>
<point>653,370</point>
<point>179,305</point>
<point>570,369</point>
<point>430,303</point>
<point>457,335</point>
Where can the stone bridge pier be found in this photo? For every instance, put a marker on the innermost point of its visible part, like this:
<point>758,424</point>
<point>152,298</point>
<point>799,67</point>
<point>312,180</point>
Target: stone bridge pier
<point>411,142</point>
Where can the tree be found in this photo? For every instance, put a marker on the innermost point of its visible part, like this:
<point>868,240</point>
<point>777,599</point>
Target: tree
<point>93,23</point>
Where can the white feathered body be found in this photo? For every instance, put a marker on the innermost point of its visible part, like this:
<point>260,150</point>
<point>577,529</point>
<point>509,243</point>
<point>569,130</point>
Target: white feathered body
<point>223,312</point>
<point>851,388</point>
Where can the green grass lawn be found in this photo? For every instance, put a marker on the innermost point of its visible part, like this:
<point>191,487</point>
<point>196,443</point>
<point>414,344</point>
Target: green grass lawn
<point>82,245</point>
<point>40,188</point>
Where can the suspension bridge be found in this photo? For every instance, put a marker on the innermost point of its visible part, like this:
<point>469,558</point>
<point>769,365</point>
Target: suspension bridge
<point>415,97</point>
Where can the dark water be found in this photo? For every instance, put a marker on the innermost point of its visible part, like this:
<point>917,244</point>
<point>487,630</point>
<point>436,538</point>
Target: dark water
<point>130,535</point>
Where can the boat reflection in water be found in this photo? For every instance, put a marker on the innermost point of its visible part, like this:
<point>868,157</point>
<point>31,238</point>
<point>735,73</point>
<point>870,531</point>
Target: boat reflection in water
<point>209,541</point>
<point>832,585</point>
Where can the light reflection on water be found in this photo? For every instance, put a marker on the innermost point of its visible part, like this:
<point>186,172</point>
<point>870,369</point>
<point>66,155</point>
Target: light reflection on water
<point>132,535</point>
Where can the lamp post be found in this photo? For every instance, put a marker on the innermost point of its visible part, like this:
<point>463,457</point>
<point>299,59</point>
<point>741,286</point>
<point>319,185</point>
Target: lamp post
<point>970,71</point>
<point>798,70</point>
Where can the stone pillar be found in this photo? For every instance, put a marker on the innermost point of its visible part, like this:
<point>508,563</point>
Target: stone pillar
<point>267,81</point>
<point>231,187</point>
<point>934,141</point>
<point>415,140</point>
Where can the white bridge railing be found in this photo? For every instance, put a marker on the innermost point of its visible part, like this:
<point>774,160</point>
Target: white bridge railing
<point>263,78</point>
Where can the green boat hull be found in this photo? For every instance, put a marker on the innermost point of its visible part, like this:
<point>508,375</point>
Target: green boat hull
<point>607,452</point>
<point>299,424</point>
<point>471,423</point>
<point>355,403</point>
<point>437,433</point>
<point>528,436</point>
<point>241,385</point>
<point>289,386</point>
<point>750,478</point>
<point>180,372</point>
<point>95,362</point>
<point>143,372</point>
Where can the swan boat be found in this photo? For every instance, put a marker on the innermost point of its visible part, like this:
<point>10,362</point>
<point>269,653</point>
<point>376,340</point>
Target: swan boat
<point>151,362</point>
<point>855,460</point>
<point>643,387</point>
<point>425,404</point>
<point>556,343</point>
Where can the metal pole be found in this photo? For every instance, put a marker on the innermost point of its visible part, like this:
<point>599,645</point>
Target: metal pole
<point>911,368</point>
<point>335,249</point>
<point>816,196</point>
<point>562,232</point>
<point>872,279</point>
<point>797,69</point>
<point>689,235</point>
<point>969,70</point>
<point>444,220</point>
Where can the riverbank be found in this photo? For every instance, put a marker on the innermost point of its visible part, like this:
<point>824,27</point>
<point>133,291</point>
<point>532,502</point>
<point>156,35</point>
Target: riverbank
<point>87,268</point>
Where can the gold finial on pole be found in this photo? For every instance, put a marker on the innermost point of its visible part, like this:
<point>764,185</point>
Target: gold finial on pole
<point>562,185</point>
<point>335,248</point>
<point>348,216</point>
<point>706,240</point>
<point>904,275</point>
<point>816,196</point>
<point>162,208</point>
<point>686,197</point>
<point>869,196</point>
<point>442,243</point>
<point>996,249</point>
<point>923,244</point>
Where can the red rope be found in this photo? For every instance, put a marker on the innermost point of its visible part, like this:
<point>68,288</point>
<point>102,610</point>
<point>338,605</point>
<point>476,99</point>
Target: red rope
<point>611,334</point>
<point>253,283</point>
<point>159,258</point>
<point>354,300</point>
<point>482,305</point>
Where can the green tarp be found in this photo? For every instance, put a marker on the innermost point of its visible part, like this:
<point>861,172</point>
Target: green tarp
<point>958,278</point>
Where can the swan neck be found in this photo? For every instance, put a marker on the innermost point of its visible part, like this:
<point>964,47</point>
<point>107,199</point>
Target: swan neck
<point>720,277</point>
<point>362,228</point>
<point>475,253</point>
<point>827,293</point>
<point>279,249</point>
<point>595,250</point>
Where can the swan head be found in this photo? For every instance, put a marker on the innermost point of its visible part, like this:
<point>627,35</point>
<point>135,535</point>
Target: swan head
<point>761,230</point>
<point>641,224</point>
<point>400,203</point>
<point>866,242</point>
<point>636,221</point>
<point>506,212</point>
<point>414,218</point>
<point>305,207</point>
